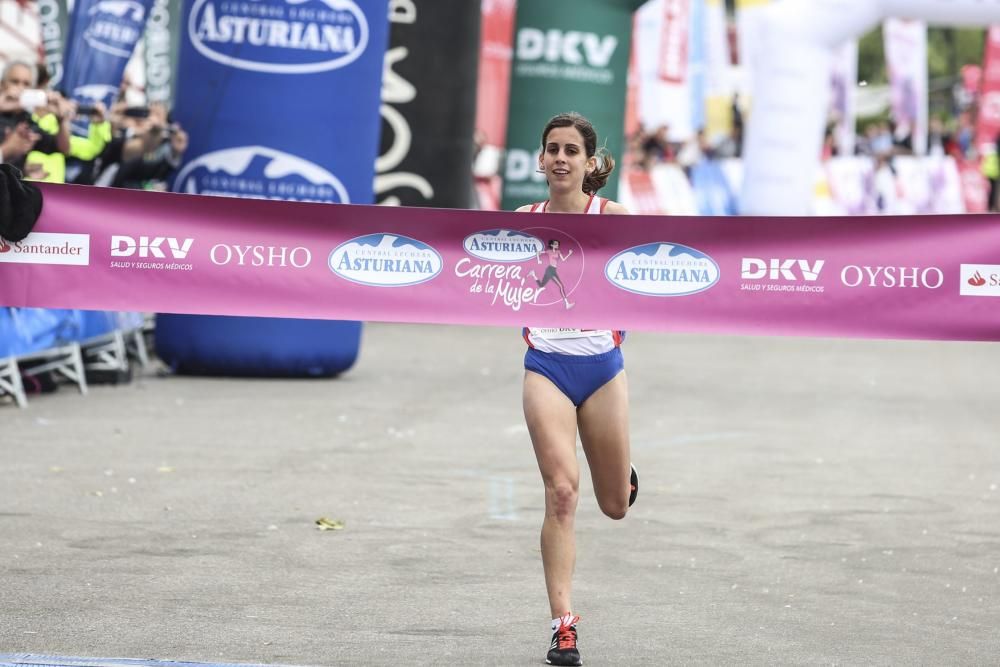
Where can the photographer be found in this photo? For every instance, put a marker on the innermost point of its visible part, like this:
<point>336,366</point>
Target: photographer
<point>43,119</point>
<point>146,147</point>
<point>20,133</point>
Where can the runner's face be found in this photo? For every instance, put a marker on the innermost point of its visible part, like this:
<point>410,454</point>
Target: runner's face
<point>564,160</point>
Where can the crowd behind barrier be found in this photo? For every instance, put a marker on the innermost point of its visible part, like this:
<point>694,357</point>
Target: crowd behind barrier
<point>128,146</point>
<point>844,186</point>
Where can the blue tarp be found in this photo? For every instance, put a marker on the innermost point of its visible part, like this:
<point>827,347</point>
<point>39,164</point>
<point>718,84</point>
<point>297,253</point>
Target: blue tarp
<point>28,330</point>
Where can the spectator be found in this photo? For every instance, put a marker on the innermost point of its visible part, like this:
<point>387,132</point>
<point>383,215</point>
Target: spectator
<point>881,143</point>
<point>656,147</point>
<point>22,133</point>
<point>965,133</point>
<point>696,150</point>
<point>935,137</point>
<point>49,115</point>
<point>885,184</point>
<point>737,134</point>
<point>990,168</point>
<point>145,149</point>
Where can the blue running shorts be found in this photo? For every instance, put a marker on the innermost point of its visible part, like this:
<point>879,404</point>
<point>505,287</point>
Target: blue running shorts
<point>576,376</point>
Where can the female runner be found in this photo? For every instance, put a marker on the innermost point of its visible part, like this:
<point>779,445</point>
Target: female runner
<point>575,380</point>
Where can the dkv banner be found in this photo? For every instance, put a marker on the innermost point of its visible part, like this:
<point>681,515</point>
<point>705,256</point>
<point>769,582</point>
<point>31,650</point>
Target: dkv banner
<point>924,277</point>
<point>280,98</point>
<point>569,55</point>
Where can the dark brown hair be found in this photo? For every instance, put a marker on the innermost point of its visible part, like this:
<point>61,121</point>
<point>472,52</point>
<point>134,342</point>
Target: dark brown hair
<point>596,179</point>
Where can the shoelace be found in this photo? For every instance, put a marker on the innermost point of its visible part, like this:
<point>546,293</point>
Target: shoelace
<point>567,632</point>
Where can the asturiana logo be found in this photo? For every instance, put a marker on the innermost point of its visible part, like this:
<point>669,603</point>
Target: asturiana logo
<point>260,172</point>
<point>290,37</point>
<point>503,245</point>
<point>662,269</point>
<point>115,26</point>
<point>385,260</point>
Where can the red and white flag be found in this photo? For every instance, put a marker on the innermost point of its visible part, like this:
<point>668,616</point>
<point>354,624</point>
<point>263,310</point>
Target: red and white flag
<point>988,125</point>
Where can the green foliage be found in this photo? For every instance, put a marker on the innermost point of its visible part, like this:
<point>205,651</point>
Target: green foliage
<point>871,58</point>
<point>948,49</point>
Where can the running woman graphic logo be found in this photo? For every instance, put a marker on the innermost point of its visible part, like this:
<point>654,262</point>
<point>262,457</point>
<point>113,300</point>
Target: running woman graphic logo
<point>511,272</point>
<point>662,269</point>
<point>260,172</point>
<point>385,260</point>
<point>293,37</point>
<point>500,275</point>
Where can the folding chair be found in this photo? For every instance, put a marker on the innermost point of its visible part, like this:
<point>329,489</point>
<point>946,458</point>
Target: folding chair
<point>10,381</point>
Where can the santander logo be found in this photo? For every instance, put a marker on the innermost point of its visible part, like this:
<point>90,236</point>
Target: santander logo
<point>977,280</point>
<point>4,246</point>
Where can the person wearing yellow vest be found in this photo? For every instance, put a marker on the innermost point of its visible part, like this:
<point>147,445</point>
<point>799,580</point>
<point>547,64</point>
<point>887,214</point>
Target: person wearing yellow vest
<point>989,165</point>
<point>83,148</point>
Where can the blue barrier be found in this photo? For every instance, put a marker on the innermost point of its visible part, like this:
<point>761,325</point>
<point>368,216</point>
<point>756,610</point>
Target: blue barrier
<point>256,346</point>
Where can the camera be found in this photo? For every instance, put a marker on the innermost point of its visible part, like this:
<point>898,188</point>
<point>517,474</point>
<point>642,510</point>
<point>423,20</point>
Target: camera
<point>10,119</point>
<point>32,98</point>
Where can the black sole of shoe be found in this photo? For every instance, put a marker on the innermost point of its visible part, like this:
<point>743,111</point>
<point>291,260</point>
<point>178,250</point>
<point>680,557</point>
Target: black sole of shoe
<point>634,480</point>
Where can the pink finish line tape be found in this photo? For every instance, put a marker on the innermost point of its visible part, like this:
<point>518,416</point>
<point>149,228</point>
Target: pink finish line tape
<point>924,277</point>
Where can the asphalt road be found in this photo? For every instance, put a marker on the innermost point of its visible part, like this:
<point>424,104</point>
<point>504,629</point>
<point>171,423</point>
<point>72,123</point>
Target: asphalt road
<point>802,501</point>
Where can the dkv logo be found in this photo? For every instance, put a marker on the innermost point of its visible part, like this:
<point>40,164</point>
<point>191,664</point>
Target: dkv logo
<point>145,246</point>
<point>115,26</point>
<point>260,172</point>
<point>570,47</point>
<point>290,37</point>
<point>662,269</point>
<point>385,260</point>
<point>753,268</point>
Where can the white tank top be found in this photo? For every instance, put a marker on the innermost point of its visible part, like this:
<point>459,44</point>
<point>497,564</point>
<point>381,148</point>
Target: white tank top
<point>573,341</point>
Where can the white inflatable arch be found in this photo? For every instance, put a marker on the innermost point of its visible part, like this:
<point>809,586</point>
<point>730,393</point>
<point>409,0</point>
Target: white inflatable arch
<point>791,87</point>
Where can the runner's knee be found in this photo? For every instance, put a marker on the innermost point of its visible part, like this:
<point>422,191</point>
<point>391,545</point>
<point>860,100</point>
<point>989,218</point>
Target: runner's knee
<point>561,498</point>
<point>614,509</point>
